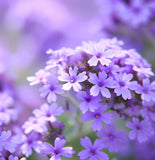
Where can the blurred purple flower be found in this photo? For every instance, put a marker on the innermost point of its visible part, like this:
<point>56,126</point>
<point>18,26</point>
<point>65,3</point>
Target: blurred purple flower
<point>72,79</point>
<point>92,150</point>
<point>5,141</point>
<point>114,141</point>
<point>7,113</point>
<point>141,130</point>
<point>100,84</point>
<point>57,150</point>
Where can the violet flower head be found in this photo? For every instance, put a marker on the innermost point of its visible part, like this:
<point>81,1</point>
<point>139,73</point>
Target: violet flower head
<point>101,83</point>
<point>50,89</point>
<point>124,85</point>
<point>72,79</point>
<point>147,90</point>
<point>141,130</point>
<point>98,115</point>
<point>57,150</point>
<point>93,151</point>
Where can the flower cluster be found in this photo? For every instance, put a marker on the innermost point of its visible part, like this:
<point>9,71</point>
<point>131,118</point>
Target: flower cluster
<point>104,82</point>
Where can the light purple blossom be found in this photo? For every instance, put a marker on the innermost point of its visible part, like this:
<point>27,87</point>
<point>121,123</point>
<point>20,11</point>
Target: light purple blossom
<point>72,79</point>
<point>99,53</point>
<point>141,130</point>
<point>147,90</point>
<point>93,151</point>
<point>98,115</point>
<point>101,83</point>
<point>89,102</point>
<point>50,89</point>
<point>34,124</point>
<point>124,85</point>
<point>57,150</point>
<point>48,112</point>
<point>38,78</point>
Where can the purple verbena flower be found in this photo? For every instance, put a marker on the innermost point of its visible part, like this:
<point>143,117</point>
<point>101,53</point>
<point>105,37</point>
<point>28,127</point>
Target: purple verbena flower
<point>124,85</point>
<point>101,83</point>
<point>30,142</point>
<point>98,115</point>
<point>38,78</point>
<point>89,102</point>
<point>72,79</point>
<point>57,150</point>
<point>147,90</point>
<point>99,53</point>
<point>140,129</point>
<point>93,151</point>
<point>50,89</point>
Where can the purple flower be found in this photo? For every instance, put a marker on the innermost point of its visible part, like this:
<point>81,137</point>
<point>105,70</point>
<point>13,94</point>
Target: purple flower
<point>48,112</point>
<point>99,53</point>
<point>147,90</point>
<point>89,102</point>
<point>124,85</point>
<point>58,149</point>
<point>137,8</point>
<point>50,89</point>
<point>93,151</point>
<point>98,115</point>
<point>31,142</point>
<point>38,78</point>
<point>140,129</point>
<point>114,141</point>
<point>72,79</point>
<point>100,84</point>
